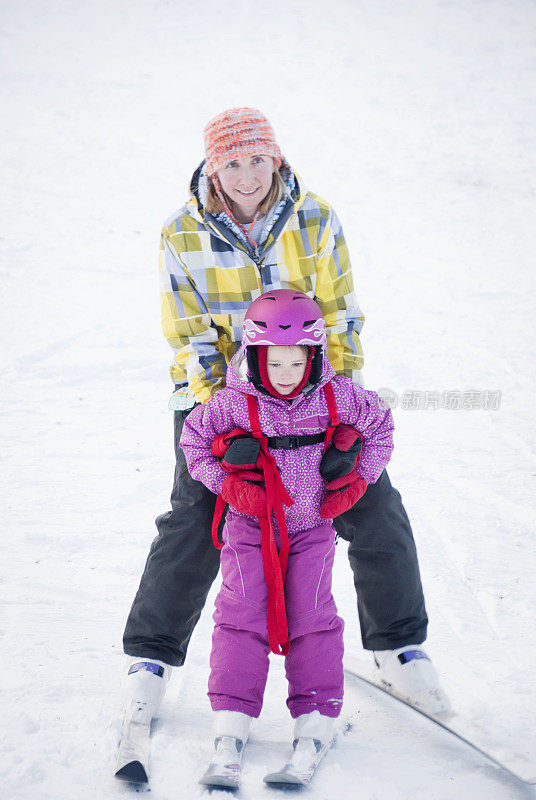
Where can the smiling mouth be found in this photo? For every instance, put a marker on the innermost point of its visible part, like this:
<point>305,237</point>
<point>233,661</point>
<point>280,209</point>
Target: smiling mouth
<point>247,194</point>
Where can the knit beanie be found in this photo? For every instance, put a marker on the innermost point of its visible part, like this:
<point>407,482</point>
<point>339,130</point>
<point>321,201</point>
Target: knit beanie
<point>238,133</point>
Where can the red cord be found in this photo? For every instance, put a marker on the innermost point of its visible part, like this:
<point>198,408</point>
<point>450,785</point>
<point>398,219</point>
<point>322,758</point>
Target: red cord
<point>274,561</point>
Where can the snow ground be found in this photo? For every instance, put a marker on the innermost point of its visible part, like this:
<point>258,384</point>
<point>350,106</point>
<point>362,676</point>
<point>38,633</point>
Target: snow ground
<point>416,119</point>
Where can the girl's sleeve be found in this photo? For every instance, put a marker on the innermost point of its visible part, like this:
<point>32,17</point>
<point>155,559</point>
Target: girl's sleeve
<point>376,426</point>
<point>201,427</point>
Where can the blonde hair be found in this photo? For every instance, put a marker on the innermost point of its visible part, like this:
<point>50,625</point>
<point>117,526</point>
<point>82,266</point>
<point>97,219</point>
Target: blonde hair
<point>214,205</point>
<point>303,347</point>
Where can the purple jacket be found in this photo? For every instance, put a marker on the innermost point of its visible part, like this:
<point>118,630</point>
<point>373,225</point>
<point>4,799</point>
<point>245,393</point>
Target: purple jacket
<point>306,414</point>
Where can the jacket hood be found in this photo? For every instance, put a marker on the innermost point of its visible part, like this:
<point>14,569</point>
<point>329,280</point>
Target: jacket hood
<point>237,379</point>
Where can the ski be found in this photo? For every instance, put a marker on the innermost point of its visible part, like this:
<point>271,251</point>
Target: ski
<point>133,756</point>
<point>307,755</point>
<point>520,765</point>
<point>224,771</point>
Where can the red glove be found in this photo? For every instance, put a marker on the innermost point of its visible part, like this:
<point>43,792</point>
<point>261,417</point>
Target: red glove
<point>242,492</point>
<point>342,494</point>
<point>338,468</point>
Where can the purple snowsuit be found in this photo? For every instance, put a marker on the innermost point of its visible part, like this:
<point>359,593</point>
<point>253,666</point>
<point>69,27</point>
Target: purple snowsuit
<point>239,658</point>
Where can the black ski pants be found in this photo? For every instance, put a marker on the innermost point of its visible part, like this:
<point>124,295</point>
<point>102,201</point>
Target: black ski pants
<point>183,564</point>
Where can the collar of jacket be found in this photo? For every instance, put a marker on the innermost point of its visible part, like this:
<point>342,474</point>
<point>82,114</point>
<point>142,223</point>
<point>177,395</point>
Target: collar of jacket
<point>224,227</point>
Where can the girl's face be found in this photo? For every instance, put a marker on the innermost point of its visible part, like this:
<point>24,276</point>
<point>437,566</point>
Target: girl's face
<point>247,181</point>
<point>286,367</point>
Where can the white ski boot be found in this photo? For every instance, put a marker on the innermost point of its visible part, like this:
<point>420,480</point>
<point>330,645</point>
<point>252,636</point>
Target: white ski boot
<point>314,734</point>
<point>409,673</point>
<point>144,687</point>
<point>231,732</point>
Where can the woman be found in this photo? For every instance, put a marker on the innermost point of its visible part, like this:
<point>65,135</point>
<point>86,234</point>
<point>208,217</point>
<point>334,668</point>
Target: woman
<point>249,226</point>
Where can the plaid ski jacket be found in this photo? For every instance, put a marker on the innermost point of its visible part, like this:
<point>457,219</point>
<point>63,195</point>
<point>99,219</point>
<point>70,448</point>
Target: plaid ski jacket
<point>210,273</point>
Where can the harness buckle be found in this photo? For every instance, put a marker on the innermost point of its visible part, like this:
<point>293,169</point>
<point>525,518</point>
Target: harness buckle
<point>287,442</point>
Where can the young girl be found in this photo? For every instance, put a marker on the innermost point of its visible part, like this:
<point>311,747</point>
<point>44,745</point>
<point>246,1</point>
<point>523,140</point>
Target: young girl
<point>280,444</point>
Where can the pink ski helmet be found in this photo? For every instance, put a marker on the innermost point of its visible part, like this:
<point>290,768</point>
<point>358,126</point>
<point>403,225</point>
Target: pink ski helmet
<point>284,317</point>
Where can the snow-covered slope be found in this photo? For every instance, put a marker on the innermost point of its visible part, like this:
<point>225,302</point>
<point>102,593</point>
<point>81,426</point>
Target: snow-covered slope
<point>416,120</point>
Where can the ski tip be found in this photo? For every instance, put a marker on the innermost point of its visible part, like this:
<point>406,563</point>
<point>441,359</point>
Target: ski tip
<point>283,780</point>
<point>219,782</point>
<point>134,772</point>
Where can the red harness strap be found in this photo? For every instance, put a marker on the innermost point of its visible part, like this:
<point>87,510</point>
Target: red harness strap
<point>274,561</point>
<point>218,449</point>
<point>218,514</point>
<point>334,420</point>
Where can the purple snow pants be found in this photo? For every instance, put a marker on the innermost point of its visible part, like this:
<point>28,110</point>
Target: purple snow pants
<point>239,657</point>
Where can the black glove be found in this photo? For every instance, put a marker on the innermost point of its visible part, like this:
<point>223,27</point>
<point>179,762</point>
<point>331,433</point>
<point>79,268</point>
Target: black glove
<point>242,453</point>
<point>342,456</point>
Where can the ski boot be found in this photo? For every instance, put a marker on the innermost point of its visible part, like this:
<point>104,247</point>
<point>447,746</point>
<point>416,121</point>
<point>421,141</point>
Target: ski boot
<point>409,673</point>
<point>314,734</point>
<point>231,732</point>
<point>144,687</point>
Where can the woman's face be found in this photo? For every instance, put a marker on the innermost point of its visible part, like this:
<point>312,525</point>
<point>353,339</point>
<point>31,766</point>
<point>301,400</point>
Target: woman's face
<point>247,181</point>
<point>286,367</point>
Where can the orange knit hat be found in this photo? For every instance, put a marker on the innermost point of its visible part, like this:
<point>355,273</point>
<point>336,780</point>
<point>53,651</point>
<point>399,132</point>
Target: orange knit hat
<point>237,133</point>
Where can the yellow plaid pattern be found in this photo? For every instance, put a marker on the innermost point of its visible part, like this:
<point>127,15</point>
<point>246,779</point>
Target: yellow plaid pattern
<point>208,280</point>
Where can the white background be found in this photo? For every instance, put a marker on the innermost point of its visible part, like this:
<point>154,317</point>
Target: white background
<point>416,121</point>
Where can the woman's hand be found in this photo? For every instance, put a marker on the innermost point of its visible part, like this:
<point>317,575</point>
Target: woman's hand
<point>236,449</point>
<point>343,453</point>
<point>338,468</point>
